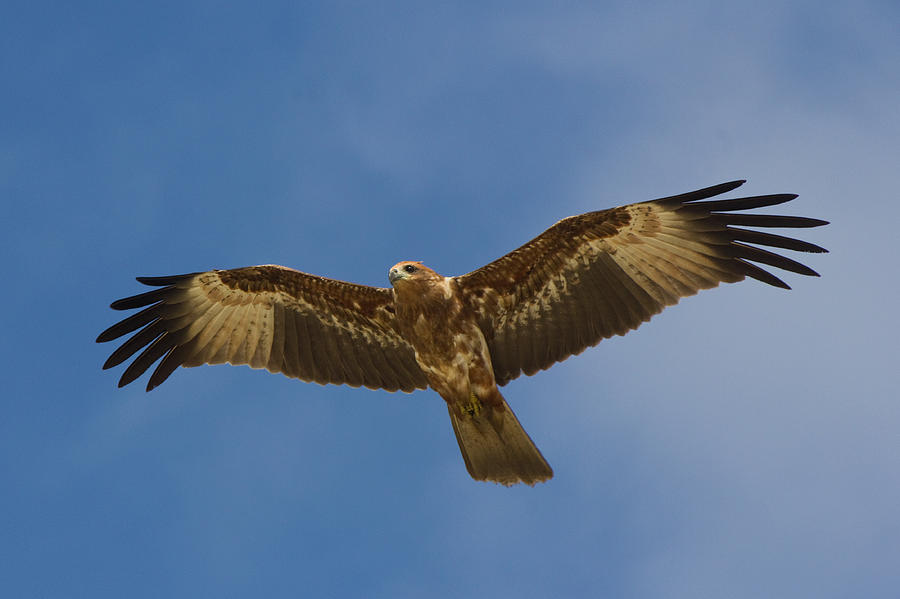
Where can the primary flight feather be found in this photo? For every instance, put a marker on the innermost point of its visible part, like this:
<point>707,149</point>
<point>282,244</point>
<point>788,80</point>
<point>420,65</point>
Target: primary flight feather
<point>584,279</point>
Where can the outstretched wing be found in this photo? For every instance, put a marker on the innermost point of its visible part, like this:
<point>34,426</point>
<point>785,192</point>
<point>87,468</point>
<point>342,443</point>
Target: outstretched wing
<point>604,273</point>
<point>271,317</point>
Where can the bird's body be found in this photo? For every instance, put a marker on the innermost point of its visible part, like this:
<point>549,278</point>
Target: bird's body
<point>584,279</point>
<point>450,348</point>
<point>453,353</point>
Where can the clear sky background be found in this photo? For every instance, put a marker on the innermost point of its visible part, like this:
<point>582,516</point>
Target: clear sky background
<point>744,444</point>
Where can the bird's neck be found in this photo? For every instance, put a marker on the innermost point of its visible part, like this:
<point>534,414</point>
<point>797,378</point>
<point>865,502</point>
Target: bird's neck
<point>424,296</point>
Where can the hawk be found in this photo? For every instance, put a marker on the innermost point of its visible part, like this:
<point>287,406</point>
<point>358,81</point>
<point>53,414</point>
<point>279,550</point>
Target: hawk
<point>585,279</point>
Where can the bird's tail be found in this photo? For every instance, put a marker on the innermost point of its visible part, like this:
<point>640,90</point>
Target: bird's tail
<point>494,445</point>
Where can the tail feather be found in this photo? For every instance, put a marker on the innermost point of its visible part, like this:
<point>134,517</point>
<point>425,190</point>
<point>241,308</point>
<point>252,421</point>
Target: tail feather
<point>495,447</point>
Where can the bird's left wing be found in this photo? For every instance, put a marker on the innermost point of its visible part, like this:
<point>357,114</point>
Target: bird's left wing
<point>604,273</point>
<point>272,317</point>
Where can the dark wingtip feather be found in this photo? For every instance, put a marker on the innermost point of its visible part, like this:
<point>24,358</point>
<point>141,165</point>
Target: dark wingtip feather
<point>768,220</point>
<point>159,347</point>
<point>140,300</point>
<point>128,376</point>
<point>170,362</point>
<point>749,252</point>
<point>167,280</point>
<point>747,203</point>
<point>700,194</point>
<point>771,240</point>
<point>715,190</point>
<point>751,270</point>
<point>132,323</point>
<point>728,185</point>
<point>143,337</point>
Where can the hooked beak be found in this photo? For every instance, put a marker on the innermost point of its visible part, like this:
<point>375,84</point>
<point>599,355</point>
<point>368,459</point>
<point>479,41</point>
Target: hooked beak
<point>394,274</point>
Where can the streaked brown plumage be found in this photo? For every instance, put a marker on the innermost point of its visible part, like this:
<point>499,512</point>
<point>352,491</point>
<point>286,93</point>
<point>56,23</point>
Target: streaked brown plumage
<point>584,279</point>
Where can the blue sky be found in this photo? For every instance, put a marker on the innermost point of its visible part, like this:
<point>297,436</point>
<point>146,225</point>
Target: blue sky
<point>745,443</point>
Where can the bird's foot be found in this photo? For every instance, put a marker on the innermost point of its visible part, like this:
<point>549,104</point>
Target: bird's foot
<point>473,406</point>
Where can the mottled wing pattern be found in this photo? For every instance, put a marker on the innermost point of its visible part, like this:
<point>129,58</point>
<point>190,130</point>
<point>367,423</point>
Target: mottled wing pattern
<point>272,317</point>
<point>600,274</point>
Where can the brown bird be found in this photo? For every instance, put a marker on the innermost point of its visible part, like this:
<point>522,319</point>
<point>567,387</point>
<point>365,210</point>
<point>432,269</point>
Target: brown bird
<point>584,279</point>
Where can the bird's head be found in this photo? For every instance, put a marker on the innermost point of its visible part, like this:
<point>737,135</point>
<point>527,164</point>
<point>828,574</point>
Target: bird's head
<point>409,270</point>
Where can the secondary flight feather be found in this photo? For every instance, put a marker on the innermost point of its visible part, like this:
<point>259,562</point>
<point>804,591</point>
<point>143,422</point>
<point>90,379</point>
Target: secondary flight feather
<point>586,278</point>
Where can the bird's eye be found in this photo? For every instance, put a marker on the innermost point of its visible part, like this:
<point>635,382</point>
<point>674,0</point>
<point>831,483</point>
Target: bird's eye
<point>410,268</point>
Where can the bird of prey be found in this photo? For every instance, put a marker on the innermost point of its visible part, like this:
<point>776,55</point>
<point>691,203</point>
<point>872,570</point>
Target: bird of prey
<point>586,278</point>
